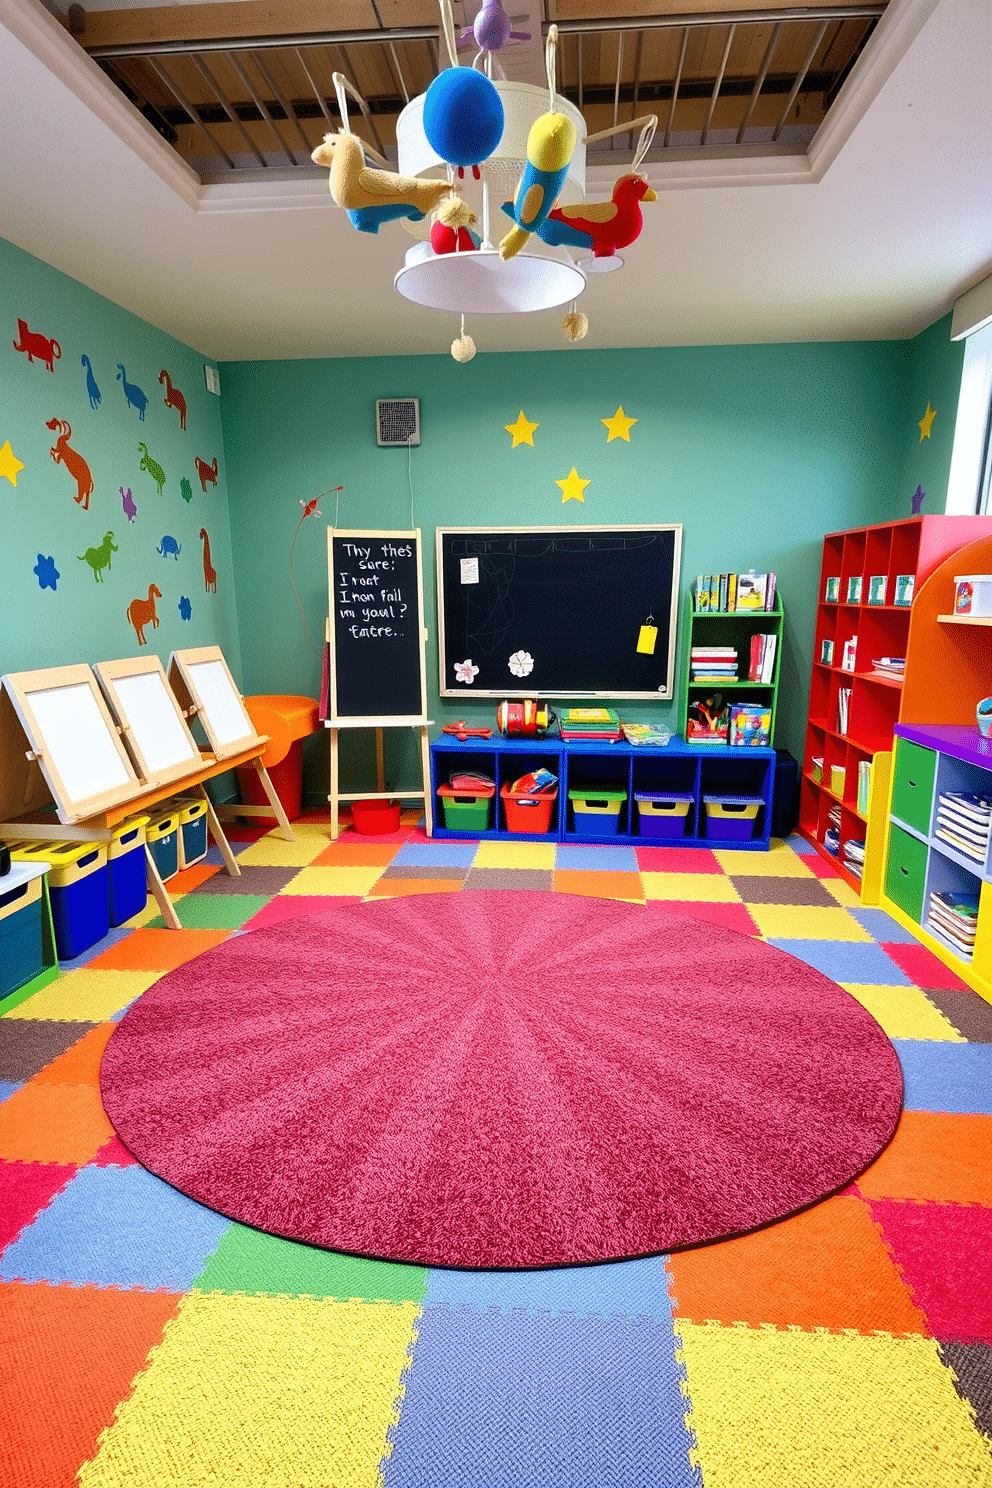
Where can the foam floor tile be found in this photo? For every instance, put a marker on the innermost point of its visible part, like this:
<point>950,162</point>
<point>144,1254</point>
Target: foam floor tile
<point>970,1014</point>
<point>924,968</point>
<point>157,950</point>
<point>507,1400</point>
<point>67,1357</point>
<point>840,890</point>
<point>599,885</point>
<point>27,1187</point>
<point>436,870</point>
<point>446,854</point>
<point>28,1044</point>
<point>779,862</point>
<point>120,932</point>
<point>354,852</point>
<point>946,1076</point>
<point>288,1392</point>
<point>274,852</point>
<point>116,1227</point>
<point>676,860</point>
<point>193,877</point>
<point>904,1012</point>
<point>801,846</point>
<point>322,882</point>
<point>214,911</point>
<point>79,1065</point>
<point>730,916</point>
<point>391,887</point>
<point>701,887</point>
<point>637,1288</point>
<point>808,922</point>
<point>248,1260</point>
<point>943,1252</point>
<point>87,996</point>
<point>252,881</point>
<point>7,1088</point>
<point>291,906</point>
<point>509,878</point>
<point>817,1410</point>
<point>934,1156</point>
<point>821,868</point>
<point>845,960</point>
<point>597,859</point>
<point>825,1268</point>
<point>881,926</point>
<point>113,1154</point>
<point>971,1364</point>
<point>515,855</point>
<point>764,888</point>
<point>53,1124</point>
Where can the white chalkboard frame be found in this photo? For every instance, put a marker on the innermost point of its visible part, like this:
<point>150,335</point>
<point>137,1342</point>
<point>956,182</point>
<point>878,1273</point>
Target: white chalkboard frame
<point>142,734</point>
<point>33,696</point>
<point>184,683</point>
<point>387,720</point>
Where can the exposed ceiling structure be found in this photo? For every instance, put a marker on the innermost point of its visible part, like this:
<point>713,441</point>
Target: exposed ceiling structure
<point>822,171</point>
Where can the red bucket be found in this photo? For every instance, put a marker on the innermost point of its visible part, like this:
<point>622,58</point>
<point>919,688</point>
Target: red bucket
<point>375,818</point>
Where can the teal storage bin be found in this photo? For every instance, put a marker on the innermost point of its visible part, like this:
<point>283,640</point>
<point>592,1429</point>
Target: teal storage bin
<point>21,944</point>
<point>162,836</point>
<point>192,841</point>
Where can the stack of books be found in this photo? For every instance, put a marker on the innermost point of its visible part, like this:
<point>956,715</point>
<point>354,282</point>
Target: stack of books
<point>590,723</point>
<point>750,724</point>
<point>646,733</point>
<point>954,917</point>
<point>853,856</point>
<point>965,822</point>
<point>713,664</point>
<point>890,666</point>
<point>730,592</point>
<point>762,667</point>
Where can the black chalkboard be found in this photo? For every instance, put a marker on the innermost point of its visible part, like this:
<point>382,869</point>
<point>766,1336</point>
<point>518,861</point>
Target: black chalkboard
<point>377,626</point>
<point>572,599</point>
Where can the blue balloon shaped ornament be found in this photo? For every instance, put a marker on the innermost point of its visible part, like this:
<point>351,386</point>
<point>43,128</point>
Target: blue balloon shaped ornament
<point>463,117</point>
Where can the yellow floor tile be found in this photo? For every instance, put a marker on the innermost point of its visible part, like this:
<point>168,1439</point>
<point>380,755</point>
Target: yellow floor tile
<point>701,887</point>
<point>85,996</point>
<point>515,855</point>
<point>807,922</point>
<point>779,862</point>
<point>904,1012</point>
<point>817,1410</point>
<point>842,892</point>
<point>333,881</point>
<point>273,852</point>
<point>280,1391</point>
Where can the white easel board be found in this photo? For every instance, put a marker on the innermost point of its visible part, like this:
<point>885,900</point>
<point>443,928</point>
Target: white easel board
<point>155,732</point>
<point>201,679</point>
<point>73,739</point>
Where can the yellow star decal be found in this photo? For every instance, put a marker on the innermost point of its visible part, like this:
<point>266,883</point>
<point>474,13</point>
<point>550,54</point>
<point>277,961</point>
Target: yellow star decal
<point>572,487</point>
<point>926,422</point>
<point>619,426</point>
<point>522,431</point>
<point>9,463</point>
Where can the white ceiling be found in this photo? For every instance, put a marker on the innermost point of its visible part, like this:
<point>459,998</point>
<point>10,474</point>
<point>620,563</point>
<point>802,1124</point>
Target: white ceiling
<point>873,236</point>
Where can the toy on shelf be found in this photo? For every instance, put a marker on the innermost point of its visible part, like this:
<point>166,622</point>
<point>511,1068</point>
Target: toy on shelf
<point>526,719</point>
<point>462,730</point>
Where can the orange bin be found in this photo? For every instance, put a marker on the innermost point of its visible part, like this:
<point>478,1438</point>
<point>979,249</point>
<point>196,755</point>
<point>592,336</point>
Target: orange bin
<point>287,721</point>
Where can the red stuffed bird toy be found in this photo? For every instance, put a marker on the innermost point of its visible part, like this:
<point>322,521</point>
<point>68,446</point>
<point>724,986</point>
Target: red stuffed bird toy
<point>601,227</point>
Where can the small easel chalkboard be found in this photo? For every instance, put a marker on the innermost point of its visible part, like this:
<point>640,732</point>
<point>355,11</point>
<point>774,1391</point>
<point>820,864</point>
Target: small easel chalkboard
<point>376,637</point>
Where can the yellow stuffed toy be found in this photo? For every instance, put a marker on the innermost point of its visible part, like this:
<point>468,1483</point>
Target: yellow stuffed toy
<point>373,196</point>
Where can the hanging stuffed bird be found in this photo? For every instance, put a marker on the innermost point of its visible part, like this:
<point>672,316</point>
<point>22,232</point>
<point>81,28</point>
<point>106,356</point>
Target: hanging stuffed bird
<point>550,146</point>
<point>600,227</point>
<point>371,197</point>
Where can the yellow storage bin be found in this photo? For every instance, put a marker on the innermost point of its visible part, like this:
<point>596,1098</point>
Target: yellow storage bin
<point>126,879</point>
<point>77,887</point>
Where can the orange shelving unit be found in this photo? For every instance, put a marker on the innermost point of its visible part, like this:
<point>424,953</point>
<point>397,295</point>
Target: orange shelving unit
<point>866,614</point>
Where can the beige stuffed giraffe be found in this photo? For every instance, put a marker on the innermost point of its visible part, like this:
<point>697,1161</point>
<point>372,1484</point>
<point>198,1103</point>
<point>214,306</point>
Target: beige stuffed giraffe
<point>373,196</point>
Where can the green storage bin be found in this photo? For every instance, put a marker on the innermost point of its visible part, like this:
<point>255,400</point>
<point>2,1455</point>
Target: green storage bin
<point>913,772</point>
<point>906,872</point>
<point>466,811</point>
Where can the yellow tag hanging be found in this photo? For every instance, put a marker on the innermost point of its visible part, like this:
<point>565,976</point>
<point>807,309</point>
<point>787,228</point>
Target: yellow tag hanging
<point>647,637</point>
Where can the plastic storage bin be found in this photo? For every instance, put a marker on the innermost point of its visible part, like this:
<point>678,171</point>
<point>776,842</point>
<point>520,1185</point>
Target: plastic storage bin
<point>733,817</point>
<point>192,839</point>
<point>530,814</point>
<point>21,944</point>
<point>162,836</point>
<point>77,889</point>
<point>127,884</point>
<point>596,813</point>
<point>661,814</point>
<point>467,811</point>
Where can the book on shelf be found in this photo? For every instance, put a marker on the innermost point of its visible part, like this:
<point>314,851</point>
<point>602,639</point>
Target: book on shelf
<point>853,856</point>
<point>864,785</point>
<point>843,708</point>
<point>849,655</point>
<point>889,666</point>
<point>954,917</point>
<point>750,725</point>
<point>751,590</point>
<point>590,723</point>
<point>762,664</point>
<point>728,593</point>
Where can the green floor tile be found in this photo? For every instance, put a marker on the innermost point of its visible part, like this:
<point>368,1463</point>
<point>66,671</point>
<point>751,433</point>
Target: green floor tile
<point>247,1260</point>
<point>214,911</point>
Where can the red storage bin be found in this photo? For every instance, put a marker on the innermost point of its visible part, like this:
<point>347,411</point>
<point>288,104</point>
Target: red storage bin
<point>530,814</point>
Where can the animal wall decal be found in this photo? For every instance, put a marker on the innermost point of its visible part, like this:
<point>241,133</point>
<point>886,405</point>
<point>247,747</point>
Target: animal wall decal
<point>206,472</point>
<point>92,390</point>
<point>127,500</point>
<point>63,454</point>
<point>209,572</point>
<point>141,611</point>
<point>169,548</point>
<point>133,395</point>
<point>185,489</point>
<point>99,558</point>
<point>45,348</point>
<point>185,608</point>
<point>173,397</point>
<point>48,574</point>
<point>153,467</point>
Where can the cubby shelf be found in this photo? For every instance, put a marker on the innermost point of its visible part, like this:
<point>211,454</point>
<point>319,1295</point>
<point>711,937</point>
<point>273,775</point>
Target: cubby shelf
<point>730,628</point>
<point>913,549</point>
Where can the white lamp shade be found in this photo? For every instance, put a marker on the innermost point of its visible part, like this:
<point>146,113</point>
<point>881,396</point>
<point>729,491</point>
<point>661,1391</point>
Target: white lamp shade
<point>481,283</point>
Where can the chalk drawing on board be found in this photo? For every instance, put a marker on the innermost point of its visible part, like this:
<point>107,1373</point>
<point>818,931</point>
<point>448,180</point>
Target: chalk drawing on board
<point>202,676</point>
<point>155,732</point>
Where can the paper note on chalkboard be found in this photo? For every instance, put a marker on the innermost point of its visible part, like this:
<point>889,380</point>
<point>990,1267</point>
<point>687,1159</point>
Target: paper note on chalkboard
<point>470,570</point>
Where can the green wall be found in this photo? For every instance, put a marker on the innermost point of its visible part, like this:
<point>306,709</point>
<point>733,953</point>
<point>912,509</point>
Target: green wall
<point>757,450</point>
<point>934,379</point>
<point>82,619</point>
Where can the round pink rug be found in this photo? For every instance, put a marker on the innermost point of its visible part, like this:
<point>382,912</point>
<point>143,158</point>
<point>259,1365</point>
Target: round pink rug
<point>501,1080</point>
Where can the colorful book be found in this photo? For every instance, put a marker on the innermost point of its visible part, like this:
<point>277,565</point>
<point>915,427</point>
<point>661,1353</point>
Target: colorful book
<point>751,588</point>
<point>750,725</point>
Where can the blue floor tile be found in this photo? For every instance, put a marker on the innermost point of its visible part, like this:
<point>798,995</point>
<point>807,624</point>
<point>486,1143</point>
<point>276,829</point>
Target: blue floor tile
<point>118,1227</point>
<point>881,926</point>
<point>847,961</point>
<point>111,938</point>
<point>800,845</point>
<point>498,1400</point>
<point>436,855</point>
<point>7,1088</point>
<point>637,1288</point>
<point>607,859</point>
<point>946,1077</point>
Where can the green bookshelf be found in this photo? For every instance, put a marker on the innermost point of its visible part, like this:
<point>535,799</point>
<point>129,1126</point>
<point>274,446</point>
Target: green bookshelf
<point>730,628</point>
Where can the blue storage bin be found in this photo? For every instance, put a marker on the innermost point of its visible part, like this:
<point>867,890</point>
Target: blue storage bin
<point>21,944</point>
<point>662,813</point>
<point>77,891</point>
<point>733,818</point>
<point>192,831</point>
<point>127,885</point>
<point>595,812</point>
<point>162,837</point>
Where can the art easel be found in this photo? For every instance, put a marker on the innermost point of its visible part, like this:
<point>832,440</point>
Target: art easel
<point>376,681</point>
<point>61,747</point>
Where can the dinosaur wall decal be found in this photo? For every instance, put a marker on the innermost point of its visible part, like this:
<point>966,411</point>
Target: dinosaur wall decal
<point>99,558</point>
<point>152,466</point>
<point>133,395</point>
<point>92,390</point>
<point>169,548</point>
<point>173,397</point>
<point>206,472</point>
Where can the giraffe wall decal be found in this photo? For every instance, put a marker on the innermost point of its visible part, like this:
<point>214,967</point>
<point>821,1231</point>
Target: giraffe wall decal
<point>209,572</point>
